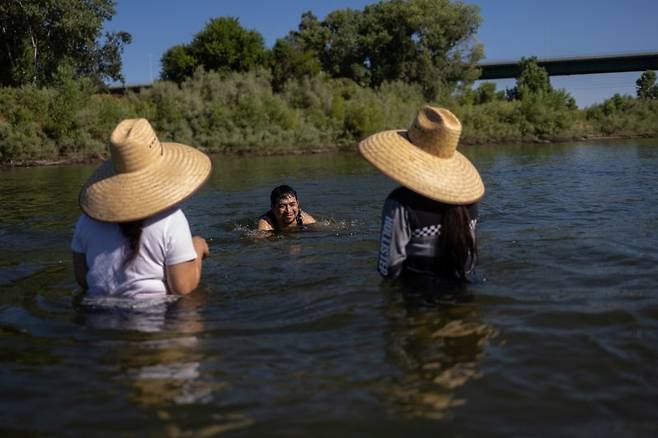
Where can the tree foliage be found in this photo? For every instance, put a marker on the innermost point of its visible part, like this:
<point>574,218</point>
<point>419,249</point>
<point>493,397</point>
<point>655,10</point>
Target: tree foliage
<point>41,36</point>
<point>533,79</point>
<point>646,85</point>
<point>223,45</point>
<point>427,42</point>
<point>178,63</point>
<point>485,93</point>
<point>291,61</point>
<point>534,83</point>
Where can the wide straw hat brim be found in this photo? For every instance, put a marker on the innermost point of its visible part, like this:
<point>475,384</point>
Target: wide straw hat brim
<point>110,196</point>
<point>451,180</point>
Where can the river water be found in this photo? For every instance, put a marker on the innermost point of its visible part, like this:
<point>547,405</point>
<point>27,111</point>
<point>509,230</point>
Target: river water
<point>297,336</point>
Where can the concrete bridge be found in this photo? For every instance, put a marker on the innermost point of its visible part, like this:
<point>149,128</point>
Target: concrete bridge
<point>581,65</point>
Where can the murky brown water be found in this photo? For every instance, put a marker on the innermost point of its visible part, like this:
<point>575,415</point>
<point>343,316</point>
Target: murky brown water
<point>297,336</point>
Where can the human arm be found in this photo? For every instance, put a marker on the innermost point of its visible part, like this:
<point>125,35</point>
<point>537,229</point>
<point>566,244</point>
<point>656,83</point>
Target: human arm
<point>394,236</point>
<point>80,269</point>
<point>183,278</point>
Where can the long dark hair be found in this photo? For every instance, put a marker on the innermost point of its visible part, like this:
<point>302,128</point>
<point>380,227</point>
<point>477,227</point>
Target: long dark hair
<point>457,244</point>
<point>133,232</point>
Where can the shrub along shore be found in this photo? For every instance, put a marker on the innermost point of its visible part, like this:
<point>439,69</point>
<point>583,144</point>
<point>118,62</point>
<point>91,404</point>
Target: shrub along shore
<point>239,113</point>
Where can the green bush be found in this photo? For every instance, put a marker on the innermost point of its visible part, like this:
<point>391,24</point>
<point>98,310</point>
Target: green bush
<point>240,113</point>
<point>24,142</point>
<point>624,116</point>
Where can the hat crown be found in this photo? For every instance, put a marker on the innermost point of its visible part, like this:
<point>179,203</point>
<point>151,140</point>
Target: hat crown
<point>436,131</point>
<point>134,146</point>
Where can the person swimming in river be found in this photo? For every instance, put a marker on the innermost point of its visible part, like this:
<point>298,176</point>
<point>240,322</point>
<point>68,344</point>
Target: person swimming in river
<point>428,224</point>
<point>285,213</point>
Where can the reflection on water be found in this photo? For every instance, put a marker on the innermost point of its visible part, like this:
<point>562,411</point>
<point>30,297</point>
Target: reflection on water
<point>161,365</point>
<point>167,371</point>
<point>295,334</point>
<point>437,348</point>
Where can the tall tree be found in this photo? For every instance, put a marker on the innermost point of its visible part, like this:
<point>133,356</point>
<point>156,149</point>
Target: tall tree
<point>532,79</point>
<point>223,45</point>
<point>422,41</point>
<point>429,42</point>
<point>297,54</point>
<point>533,83</point>
<point>178,63</point>
<point>40,36</point>
<point>646,87</point>
<point>291,61</point>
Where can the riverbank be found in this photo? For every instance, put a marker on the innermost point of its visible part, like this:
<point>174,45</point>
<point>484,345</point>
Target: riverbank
<point>240,114</point>
<point>327,150</point>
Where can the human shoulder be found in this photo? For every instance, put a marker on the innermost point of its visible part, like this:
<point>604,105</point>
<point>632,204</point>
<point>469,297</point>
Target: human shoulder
<point>167,233</point>
<point>88,225</point>
<point>264,223</point>
<point>396,200</point>
<point>166,217</point>
<point>307,218</point>
<point>166,222</point>
<point>89,231</point>
<point>473,211</point>
<point>85,220</point>
<point>400,193</point>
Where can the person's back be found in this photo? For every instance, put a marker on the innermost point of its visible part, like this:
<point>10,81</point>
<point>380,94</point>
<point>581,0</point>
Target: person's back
<point>428,225</point>
<point>415,233</point>
<point>131,240</point>
<point>165,240</point>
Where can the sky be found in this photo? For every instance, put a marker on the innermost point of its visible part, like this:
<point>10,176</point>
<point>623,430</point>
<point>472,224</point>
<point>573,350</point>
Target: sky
<point>510,29</point>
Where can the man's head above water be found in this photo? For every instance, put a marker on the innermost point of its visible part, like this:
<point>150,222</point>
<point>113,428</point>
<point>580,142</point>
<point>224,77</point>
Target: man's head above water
<point>284,205</point>
<point>285,211</point>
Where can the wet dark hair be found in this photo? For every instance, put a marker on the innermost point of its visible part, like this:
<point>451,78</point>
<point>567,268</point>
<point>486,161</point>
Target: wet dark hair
<point>280,192</point>
<point>457,244</point>
<point>133,232</point>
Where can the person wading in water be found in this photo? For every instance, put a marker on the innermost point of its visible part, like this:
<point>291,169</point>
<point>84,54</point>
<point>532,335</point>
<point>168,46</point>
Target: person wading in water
<point>428,224</point>
<point>132,240</point>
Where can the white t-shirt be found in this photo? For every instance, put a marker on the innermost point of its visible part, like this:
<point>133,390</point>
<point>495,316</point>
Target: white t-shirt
<point>165,240</point>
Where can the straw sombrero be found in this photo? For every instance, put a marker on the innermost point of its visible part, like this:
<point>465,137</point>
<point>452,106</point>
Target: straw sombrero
<point>143,176</point>
<point>425,159</point>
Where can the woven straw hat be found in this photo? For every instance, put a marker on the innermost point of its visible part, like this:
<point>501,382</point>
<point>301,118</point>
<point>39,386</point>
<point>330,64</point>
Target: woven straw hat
<point>143,176</point>
<point>425,159</point>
